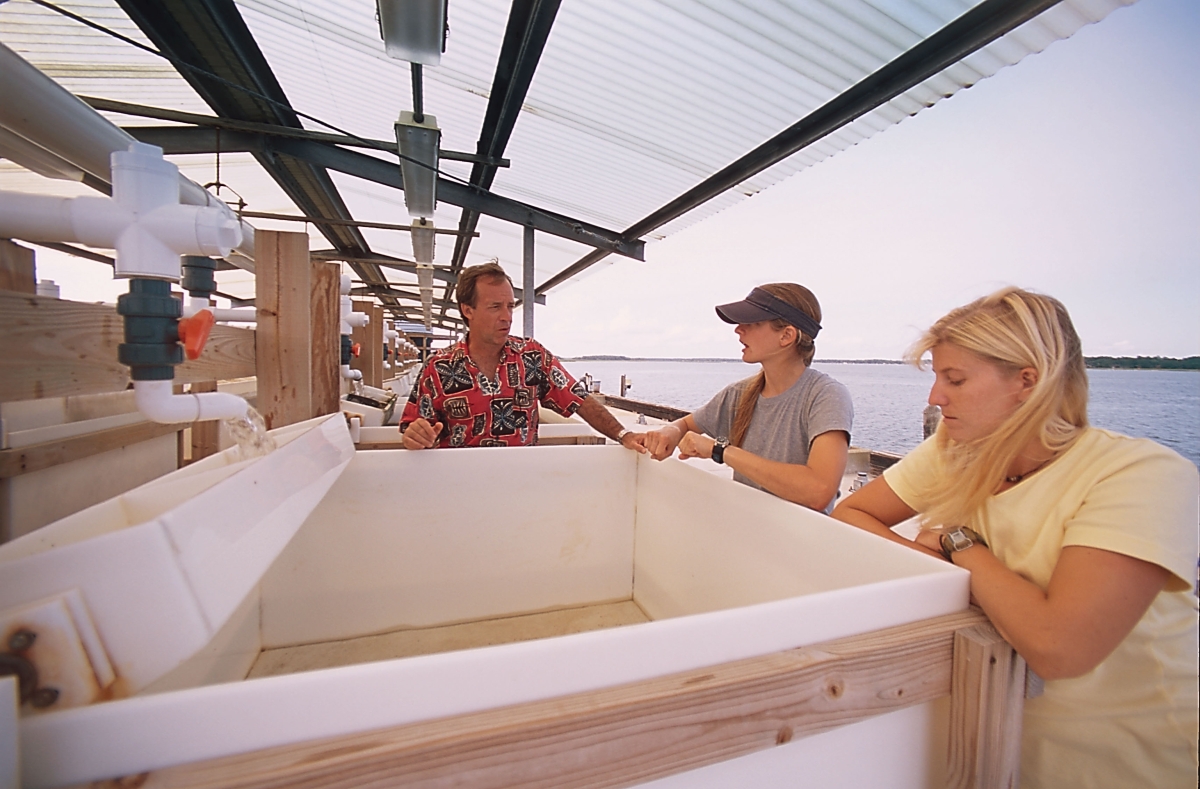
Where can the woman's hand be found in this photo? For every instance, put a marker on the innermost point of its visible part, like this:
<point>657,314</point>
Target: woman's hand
<point>931,541</point>
<point>696,445</point>
<point>661,443</point>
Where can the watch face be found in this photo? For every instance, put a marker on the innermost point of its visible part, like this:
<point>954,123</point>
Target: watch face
<point>959,541</point>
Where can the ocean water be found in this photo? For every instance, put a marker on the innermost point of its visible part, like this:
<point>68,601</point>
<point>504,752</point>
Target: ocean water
<point>1163,405</point>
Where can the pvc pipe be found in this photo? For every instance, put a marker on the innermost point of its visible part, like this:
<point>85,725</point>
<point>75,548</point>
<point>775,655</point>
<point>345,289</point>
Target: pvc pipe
<point>156,400</point>
<point>351,375</point>
<point>239,314</point>
<point>40,110</point>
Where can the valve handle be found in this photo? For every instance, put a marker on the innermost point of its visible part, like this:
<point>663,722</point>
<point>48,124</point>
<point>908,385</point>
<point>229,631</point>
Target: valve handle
<point>194,331</point>
<point>356,349</point>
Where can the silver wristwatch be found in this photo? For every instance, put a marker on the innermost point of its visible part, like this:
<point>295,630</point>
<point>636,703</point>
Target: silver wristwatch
<point>621,436</point>
<point>959,539</point>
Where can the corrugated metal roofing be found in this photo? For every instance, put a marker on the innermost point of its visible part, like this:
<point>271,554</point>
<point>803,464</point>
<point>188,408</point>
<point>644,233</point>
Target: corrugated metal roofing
<point>633,103</point>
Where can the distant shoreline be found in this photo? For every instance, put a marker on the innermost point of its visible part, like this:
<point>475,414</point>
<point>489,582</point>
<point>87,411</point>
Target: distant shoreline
<point>1093,362</point>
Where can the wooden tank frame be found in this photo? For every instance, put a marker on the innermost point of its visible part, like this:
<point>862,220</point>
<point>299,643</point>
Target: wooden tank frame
<point>646,730</point>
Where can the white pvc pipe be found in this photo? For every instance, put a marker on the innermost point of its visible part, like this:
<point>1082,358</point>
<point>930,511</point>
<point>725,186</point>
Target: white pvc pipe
<point>156,400</point>
<point>351,375</point>
<point>40,110</point>
<point>220,314</point>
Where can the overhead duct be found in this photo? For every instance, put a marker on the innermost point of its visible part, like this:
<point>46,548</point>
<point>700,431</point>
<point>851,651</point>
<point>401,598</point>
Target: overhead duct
<point>48,116</point>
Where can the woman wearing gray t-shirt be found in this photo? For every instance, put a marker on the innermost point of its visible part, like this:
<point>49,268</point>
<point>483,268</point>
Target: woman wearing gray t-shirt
<point>785,430</point>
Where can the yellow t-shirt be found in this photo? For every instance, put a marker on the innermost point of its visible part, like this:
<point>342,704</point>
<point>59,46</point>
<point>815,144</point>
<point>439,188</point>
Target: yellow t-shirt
<point>1132,721</point>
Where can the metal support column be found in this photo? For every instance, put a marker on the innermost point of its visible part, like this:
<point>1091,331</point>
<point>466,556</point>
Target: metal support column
<point>528,285</point>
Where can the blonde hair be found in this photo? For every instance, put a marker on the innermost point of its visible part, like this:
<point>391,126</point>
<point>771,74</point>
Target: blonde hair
<point>1014,329</point>
<point>802,299</point>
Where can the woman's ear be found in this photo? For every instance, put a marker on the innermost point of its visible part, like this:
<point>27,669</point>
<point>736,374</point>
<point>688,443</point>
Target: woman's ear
<point>1029,379</point>
<point>788,336</point>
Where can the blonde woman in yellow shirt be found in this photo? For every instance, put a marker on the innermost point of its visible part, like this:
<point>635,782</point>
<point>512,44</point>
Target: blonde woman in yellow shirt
<point>1081,543</point>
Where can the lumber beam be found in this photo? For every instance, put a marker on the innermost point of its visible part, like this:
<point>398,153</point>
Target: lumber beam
<point>627,734</point>
<point>283,297</point>
<point>23,460</point>
<point>57,348</point>
<point>18,271</point>
<point>326,337</point>
<point>987,702</point>
<point>369,339</point>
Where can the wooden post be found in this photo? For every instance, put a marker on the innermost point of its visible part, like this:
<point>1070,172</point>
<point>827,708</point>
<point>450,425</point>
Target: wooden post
<point>283,295</point>
<point>18,271</point>
<point>375,332</point>
<point>326,340</point>
<point>370,340</point>
<point>206,436</point>
<point>987,700</point>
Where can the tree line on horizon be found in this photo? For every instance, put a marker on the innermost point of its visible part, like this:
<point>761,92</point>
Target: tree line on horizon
<point>1093,362</point>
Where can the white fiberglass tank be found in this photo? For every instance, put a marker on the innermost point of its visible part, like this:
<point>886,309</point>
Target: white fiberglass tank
<point>401,599</point>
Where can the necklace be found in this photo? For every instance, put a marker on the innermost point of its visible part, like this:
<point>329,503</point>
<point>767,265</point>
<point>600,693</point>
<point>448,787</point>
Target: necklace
<point>1013,479</point>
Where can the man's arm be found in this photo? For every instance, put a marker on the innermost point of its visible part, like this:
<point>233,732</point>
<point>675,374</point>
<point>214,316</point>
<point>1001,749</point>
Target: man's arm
<point>599,417</point>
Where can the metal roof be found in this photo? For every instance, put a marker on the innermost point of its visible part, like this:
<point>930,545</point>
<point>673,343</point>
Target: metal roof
<point>630,119</point>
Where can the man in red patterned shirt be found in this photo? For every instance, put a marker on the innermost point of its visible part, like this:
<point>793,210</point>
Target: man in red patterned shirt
<point>484,390</point>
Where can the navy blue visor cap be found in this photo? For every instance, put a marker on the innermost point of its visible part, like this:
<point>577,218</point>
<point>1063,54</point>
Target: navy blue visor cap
<point>762,306</point>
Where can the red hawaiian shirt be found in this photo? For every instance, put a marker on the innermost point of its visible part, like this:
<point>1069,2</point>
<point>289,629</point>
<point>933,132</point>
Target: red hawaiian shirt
<point>477,411</point>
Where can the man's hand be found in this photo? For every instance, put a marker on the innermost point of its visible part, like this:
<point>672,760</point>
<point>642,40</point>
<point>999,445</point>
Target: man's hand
<point>661,443</point>
<point>421,434</point>
<point>696,445</point>
<point>635,441</point>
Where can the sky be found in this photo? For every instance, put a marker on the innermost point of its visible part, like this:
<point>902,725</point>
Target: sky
<point>1075,173</point>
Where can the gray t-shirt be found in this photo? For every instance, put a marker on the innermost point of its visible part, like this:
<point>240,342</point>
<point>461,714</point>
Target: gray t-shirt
<point>784,426</point>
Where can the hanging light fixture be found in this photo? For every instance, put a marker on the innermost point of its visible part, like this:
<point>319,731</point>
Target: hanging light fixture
<point>413,30</point>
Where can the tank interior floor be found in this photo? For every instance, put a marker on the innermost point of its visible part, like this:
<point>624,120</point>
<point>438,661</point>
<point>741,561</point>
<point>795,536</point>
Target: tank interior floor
<point>446,638</point>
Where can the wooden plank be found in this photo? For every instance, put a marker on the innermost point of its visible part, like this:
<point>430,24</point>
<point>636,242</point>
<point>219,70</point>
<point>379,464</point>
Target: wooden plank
<point>283,295</point>
<point>206,436</point>
<point>987,703</point>
<point>370,341</point>
<point>655,410</point>
<point>326,338</point>
<point>14,462</point>
<point>18,271</point>
<point>57,348</point>
<point>623,735</point>
<point>375,330</point>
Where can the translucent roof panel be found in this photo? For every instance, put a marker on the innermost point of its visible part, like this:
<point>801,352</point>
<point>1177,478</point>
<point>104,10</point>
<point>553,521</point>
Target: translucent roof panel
<point>633,102</point>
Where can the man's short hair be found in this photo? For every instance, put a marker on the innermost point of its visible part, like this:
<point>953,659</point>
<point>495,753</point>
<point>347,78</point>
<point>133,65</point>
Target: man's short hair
<point>472,274</point>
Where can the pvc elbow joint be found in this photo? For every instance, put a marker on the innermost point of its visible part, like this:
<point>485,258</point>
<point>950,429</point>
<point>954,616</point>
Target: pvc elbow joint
<point>351,375</point>
<point>156,401</point>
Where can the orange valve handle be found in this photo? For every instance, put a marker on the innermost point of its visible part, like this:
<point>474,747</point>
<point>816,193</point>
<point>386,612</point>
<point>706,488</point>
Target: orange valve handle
<point>356,349</point>
<point>194,331</point>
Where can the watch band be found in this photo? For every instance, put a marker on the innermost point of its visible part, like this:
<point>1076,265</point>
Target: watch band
<point>621,436</point>
<point>718,450</point>
<point>959,539</point>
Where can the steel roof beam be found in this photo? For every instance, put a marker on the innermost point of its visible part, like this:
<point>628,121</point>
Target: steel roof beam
<point>972,31</point>
<point>529,25</point>
<point>211,36</point>
<point>476,199</point>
